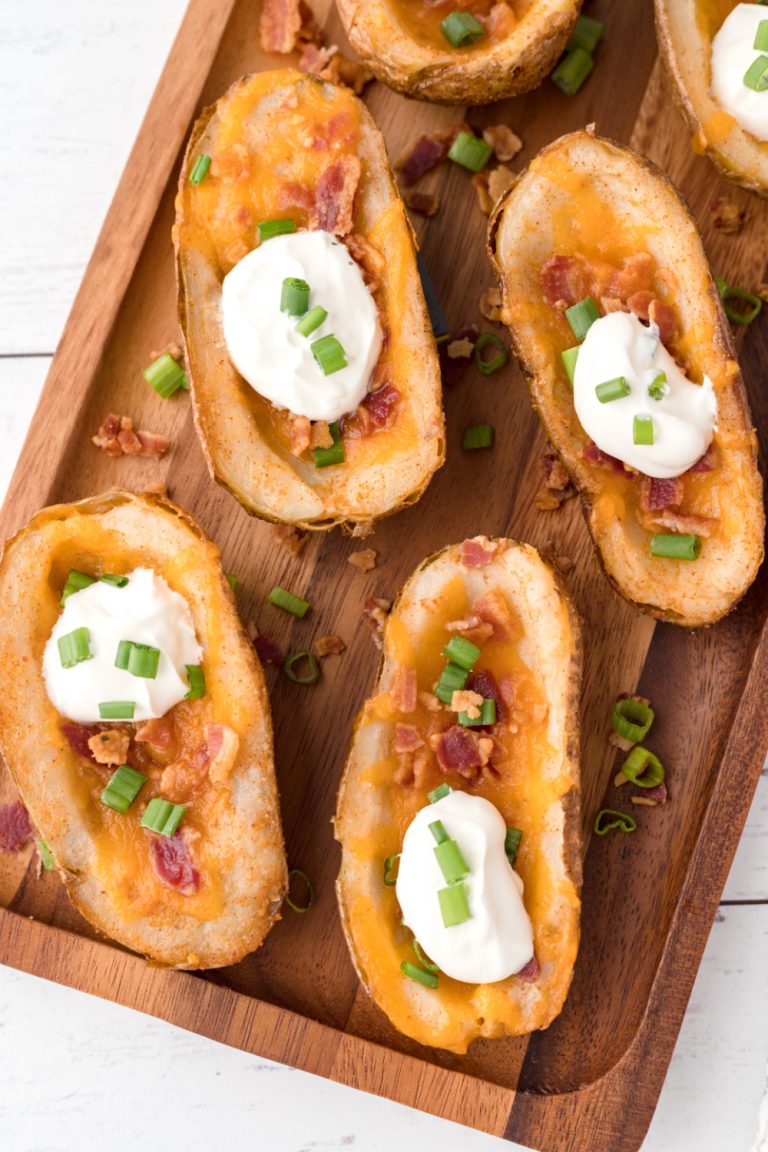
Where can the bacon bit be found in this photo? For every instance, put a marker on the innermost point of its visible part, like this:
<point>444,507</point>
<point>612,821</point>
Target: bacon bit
<point>380,406</point>
<point>429,701</point>
<point>707,462</point>
<point>640,302</point>
<point>596,456</point>
<point>294,194</point>
<point>266,649</point>
<point>223,744</point>
<point>499,179</point>
<point>485,201</point>
<point>664,316</point>
<point>492,607</point>
<point>280,25</point>
<point>182,777</point>
<point>330,64</point>
<point>299,435</point>
<point>426,153</point>
<point>490,305</point>
<point>656,494</point>
<point>697,525</point>
<point>110,747</point>
<point>564,281</point>
<point>320,435</point>
<point>461,750</point>
<point>407,738</point>
<point>471,628</point>
<point>530,972</point>
<point>658,794</point>
<point>505,143</point>
<point>364,560</point>
<point>375,612</point>
<point>424,203</point>
<point>484,683</point>
<point>361,530</point>
<point>727,216</point>
<point>117,437</point>
<point>478,553</point>
<point>291,538</point>
<point>404,692</point>
<point>635,275</point>
<point>404,774</point>
<point>15,828</point>
<point>467,701</point>
<point>173,864</point>
<point>500,20</point>
<point>315,58</point>
<point>331,645</point>
<point>557,485</point>
<point>335,196</point>
<point>78,737</point>
<point>159,735</point>
<point>508,690</point>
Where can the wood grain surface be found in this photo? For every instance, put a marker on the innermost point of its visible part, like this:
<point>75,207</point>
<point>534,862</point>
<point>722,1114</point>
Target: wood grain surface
<point>592,1080</point>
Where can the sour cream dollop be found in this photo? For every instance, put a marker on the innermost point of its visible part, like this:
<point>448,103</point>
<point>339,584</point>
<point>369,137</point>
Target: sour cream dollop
<point>497,940</point>
<point>732,53</point>
<point>146,611</point>
<point>263,343</point>
<point>684,420</point>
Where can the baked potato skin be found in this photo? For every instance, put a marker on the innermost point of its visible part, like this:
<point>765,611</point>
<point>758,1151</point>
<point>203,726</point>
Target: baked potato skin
<point>637,198</point>
<point>480,75</point>
<point>453,1018</point>
<point>268,481</point>
<point>240,848</point>
<point>684,30</point>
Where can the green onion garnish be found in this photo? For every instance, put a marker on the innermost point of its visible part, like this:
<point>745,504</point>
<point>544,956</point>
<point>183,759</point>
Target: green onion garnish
<point>267,229</point>
<point>413,972</point>
<point>117,710</point>
<point>329,354</point>
<point>390,879</point>
<point>123,788</point>
<point>75,582</point>
<point>294,296</point>
<point>324,457</point>
<point>200,169</point>
<point>452,679</point>
<point>288,602</point>
<point>46,856</point>
<point>138,659</point>
<point>166,376</point>
<point>461,651</point>
<point>642,430</point>
<point>569,357</point>
<point>422,959</point>
<point>612,390</point>
<point>512,844</point>
<point>761,37</point>
<point>675,546</point>
<point>461,29</point>
<point>586,34</point>
<point>451,860</point>
<point>756,76</point>
<point>727,293</point>
<point>609,818</point>
<point>582,316</point>
<point>313,319</point>
<point>74,647</point>
<point>477,436</point>
<point>231,580</point>
<point>438,831</point>
<point>487,367</point>
<point>454,904</point>
<point>312,676</point>
<point>572,71</point>
<point>114,581</point>
<point>632,719</point>
<point>439,793</point>
<point>657,390</point>
<point>310,897</point>
<point>643,768</point>
<point>123,654</point>
<point>484,720</point>
<point>162,816</point>
<point>470,152</point>
<point>196,678</point>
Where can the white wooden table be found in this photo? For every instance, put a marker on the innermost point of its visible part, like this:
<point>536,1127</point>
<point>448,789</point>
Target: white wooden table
<point>78,1073</point>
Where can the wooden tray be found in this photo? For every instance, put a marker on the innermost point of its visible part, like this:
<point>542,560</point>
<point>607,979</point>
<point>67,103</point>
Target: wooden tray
<point>592,1080</point>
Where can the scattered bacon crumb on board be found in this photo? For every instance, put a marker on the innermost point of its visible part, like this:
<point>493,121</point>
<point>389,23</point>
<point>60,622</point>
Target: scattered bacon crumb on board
<point>117,437</point>
<point>364,560</point>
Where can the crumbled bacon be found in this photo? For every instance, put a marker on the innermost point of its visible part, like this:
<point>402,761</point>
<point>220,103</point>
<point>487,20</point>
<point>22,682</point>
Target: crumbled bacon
<point>508,690</point>
<point>380,406</point>
<point>485,202</point>
<point>505,143</point>
<point>478,552</point>
<point>111,746</point>
<point>375,612</point>
<point>471,628</point>
<point>635,275</point>
<point>492,607</point>
<point>159,735</point>
<point>490,305</point>
<point>117,437</point>
<point>727,216</point>
<point>78,737</point>
<point>280,25</point>
<point>294,194</point>
<point>484,683</point>
<point>315,58</point>
<point>330,64</point>
<point>423,203</point>
<point>657,494</point>
<point>222,744</point>
<point>596,456</point>
<point>663,315</point>
<point>557,485</point>
<point>530,972</point>
<point>335,196</point>
<point>640,303</point>
<point>182,777</point>
<point>331,645</point>
<point>320,436</point>
<point>299,435</point>
<point>15,828</point>
<point>364,560</point>
<point>426,153</point>
<point>564,281</point>
<point>404,690</point>
<point>291,538</point>
<point>407,738</point>
<point>327,135</point>
<point>500,20</point>
<point>461,750</point>
<point>499,179</point>
<point>173,863</point>
<point>696,525</point>
<point>658,794</point>
<point>267,650</point>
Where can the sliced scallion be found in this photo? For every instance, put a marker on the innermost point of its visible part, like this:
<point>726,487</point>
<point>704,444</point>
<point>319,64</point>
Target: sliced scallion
<point>461,29</point>
<point>454,904</point>
<point>612,390</point>
<point>609,818</point>
<point>675,546</point>
<point>311,677</point>
<point>452,679</point>
<point>587,34</point>
<point>329,354</point>
<point>196,680</point>
<point>75,647</point>
<point>422,959</point>
<point>451,861</point>
<point>166,376</point>
<point>461,651</point>
<point>734,314</point>
<point>200,169</point>
<point>486,340</point>
<point>162,816</point>
<point>75,582</point>
<point>581,316</point>
<point>439,793</point>
<point>470,152</point>
<point>420,975</point>
<point>114,581</point>
<point>268,229</point>
<point>643,768</point>
<point>438,831</point>
<point>279,598</point>
<point>658,389</point>
<point>642,430</point>
<point>310,896</point>
<point>569,357</point>
<point>761,37</point>
<point>477,436</point>
<point>138,659</point>
<point>486,718</point>
<point>325,457</point>
<point>512,844</point>
<point>632,719</point>
<point>123,788</point>
<point>294,296</point>
<point>117,710</point>
<point>756,76</point>
<point>390,878</point>
<point>313,319</point>
<point>573,70</point>
<point>46,856</point>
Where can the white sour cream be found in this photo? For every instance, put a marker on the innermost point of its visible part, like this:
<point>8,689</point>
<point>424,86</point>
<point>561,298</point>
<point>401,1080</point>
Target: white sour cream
<point>498,939</point>
<point>263,343</point>
<point>146,611</point>
<point>732,54</point>
<point>683,421</point>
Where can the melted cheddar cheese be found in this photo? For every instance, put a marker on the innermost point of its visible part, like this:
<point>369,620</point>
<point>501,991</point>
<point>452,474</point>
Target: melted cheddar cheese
<point>422,20</point>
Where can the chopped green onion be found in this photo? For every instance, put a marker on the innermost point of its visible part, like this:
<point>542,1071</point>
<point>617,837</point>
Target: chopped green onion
<point>294,296</point>
<point>74,647</point>
<point>313,319</point>
<point>138,659</point>
<point>123,654</point>
<point>609,818</point>
<point>196,679</point>
<point>438,831</point>
<point>452,679</point>
<point>512,844</point>
<point>200,169</point>
<point>413,972</point>
<point>46,856</point>
<point>737,317</point>
<point>461,651</point>
<point>440,329</point>
<point>439,793</point>
<point>658,389</point>
<point>451,860</point>
<point>643,768</point>
<point>461,29</point>
<point>311,677</point>
<point>288,602</point>
<point>756,76</point>
<point>267,229</point>
<point>422,959</point>
<point>389,870</point>
<point>485,340</point>
<point>166,376</point>
<point>454,904</point>
<point>329,354</point>
<point>310,898</point>
<point>114,581</point>
<point>470,152</point>
<point>162,816</point>
<point>632,719</point>
<point>117,710</point>
<point>333,455</point>
<point>75,582</point>
<point>477,436</point>
<point>486,718</point>
<point>761,37</point>
<point>642,430</point>
<point>123,788</point>
<point>582,316</point>
<point>231,580</point>
<point>612,390</point>
<point>586,34</point>
<point>675,546</point>
<point>569,357</point>
<point>572,71</point>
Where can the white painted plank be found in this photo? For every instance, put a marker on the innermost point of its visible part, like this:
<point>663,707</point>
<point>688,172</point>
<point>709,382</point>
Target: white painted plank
<point>748,879</point>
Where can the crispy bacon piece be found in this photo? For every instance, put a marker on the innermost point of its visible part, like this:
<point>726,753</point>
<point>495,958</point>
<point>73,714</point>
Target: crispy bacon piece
<point>564,281</point>
<point>636,275</point>
<point>407,738</point>
<point>499,179</point>
<point>656,494</point>
<point>294,194</point>
<point>299,435</point>
<point>404,690</point>
<point>330,64</point>
<point>500,20</point>
<point>375,612</point>
<point>477,553</point>
<point>117,437</point>
<point>364,560</point>
<point>173,863</point>
<point>596,456</point>
<point>557,485</point>
<point>640,302</point>
<point>480,183</point>
<point>293,539</point>
<point>530,972</point>
<point>15,828</point>
<point>280,25</point>
<point>461,750</point>
<point>267,650</point>
<point>484,683</point>
<point>426,153</point>
<point>658,794</point>
<point>110,746</point>
<point>471,628</point>
<point>505,143</point>
<point>222,744</point>
<point>727,216</point>
<point>423,203</point>
<point>696,525</point>
<point>331,645</point>
<point>664,316</point>
<point>182,777</point>
<point>335,196</point>
<point>159,735</point>
<point>492,607</point>
<point>78,737</point>
<point>381,405</point>
<point>315,58</point>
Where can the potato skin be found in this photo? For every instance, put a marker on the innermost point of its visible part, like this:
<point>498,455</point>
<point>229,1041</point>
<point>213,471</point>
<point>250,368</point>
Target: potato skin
<point>513,66</point>
<point>552,635</point>
<point>690,595</point>
<point>240,850</point>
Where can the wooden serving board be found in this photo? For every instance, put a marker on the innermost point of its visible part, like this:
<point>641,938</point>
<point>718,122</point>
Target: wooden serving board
<point>592,1080</point>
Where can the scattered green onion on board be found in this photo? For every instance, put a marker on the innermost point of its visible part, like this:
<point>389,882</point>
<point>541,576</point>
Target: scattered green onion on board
<point>166,376</point>
<point>311,676</point>
<point>461,651</point>
<point>325,457</point>
<point>756,76</point>
<point>196,680</point>
<point>486,718</point>
<point>486,340</point>
<point>310,894</point>
<point>420,975</point>
<point>200,169</point>
<point>632,719</point>
<point>569,357</point>
<point>512,844</point>
<point>268,229</point>
<point>581,316</point>
<point>452,679</point>
<point>461,29</point>
<point>313,319</point>
<point>587,34</point>
<point>454,904</point>
<point>470,152</point>
<point>122,788</point>
<point>609,818</point>
<point>657,389</point>
<point>439,793</point>
<point>422,959</point>
<point>75,647</point>
<point>643,768</point>
<point>279,598</point>
<point>573,70</point>
<point>642,430</point>
<point>477,436</point>
<point>75,582</point>
<point>117,710</point>
<point>612,390</point>
<point>675,546</point>
<point>390,875</point>
<point>46,856</point>
<point>294,296</point>
<point>329,354</point>
<point>162,816</point>
<point>736,315</point>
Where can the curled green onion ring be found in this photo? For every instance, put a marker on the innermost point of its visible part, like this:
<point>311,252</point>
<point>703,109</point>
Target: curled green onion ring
<point>632,719</point>
<point>643,768</point>
<point>734,315</point>
<point>422,959</point>
<point>609,818</point>
<point>301,909</point>
<point>390,879</point>
<point>485,340</point>
<point>311,677</point>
